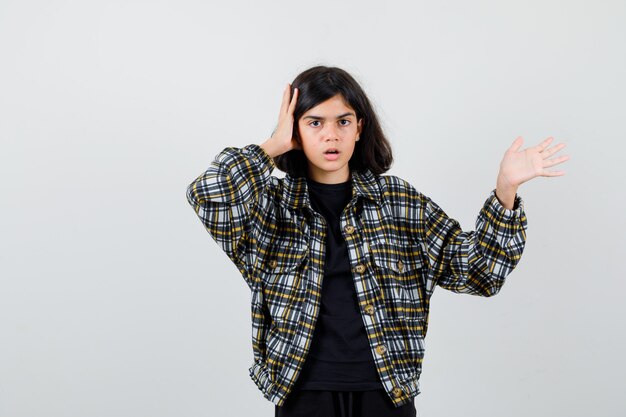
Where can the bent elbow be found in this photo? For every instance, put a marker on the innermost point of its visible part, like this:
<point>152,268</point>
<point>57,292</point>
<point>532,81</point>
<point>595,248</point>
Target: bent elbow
<point>492,288</point>
<point>192,195</point>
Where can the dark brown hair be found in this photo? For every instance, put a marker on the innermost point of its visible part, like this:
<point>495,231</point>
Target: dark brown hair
<point>318,84</point>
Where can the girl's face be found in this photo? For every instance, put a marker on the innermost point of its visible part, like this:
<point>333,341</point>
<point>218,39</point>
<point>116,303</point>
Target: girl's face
<point>328,133</point>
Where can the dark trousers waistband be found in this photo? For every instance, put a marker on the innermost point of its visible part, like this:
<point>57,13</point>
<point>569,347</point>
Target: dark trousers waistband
<point>313,403</point>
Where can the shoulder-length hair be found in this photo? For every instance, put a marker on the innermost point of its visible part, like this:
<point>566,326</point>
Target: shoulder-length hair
<point>318,84</point>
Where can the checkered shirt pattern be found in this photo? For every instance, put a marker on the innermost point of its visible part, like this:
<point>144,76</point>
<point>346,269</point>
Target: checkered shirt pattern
<point>401,245</point>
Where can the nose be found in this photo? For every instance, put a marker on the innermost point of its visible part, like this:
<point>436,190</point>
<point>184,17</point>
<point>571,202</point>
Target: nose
<point>330,132</point>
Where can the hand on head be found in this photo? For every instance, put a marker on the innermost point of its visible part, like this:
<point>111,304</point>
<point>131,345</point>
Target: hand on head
<point>282,139</point>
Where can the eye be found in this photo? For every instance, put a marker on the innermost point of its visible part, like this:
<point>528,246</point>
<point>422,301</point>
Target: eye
<point>345,120</point>
<point>314,121</point>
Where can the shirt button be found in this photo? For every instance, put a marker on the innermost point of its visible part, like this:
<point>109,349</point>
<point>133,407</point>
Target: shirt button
<point>360,268</point>
<point>400,266</point>
<point>349,229</point>
<point>397,392</point>
<point>369,309</point>
<point>381,349</point>
<point>273,263</point>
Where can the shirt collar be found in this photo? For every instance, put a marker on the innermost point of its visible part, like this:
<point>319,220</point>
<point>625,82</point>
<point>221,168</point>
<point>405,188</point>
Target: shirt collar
<point>296,195</point>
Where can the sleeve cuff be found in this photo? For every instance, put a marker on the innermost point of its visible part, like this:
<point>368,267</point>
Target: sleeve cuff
<point>257,153</point>
<point>504,213</point>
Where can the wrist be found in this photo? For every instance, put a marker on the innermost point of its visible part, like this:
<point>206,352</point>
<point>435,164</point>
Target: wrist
<point>270,148</point>
<point>505,193</point>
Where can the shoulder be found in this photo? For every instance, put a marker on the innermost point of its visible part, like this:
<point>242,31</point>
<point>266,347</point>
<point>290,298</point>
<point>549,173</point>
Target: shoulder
<point>398,190</point>
<point>393,181</point>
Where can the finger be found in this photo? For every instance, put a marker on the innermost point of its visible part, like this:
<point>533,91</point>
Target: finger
<point>553,173</point>
<point>284,103</point>
<point>551,151</point>
<point>517,143</point>
<point>292,105</point>
<point>555,161</point>
<point>543,144</point>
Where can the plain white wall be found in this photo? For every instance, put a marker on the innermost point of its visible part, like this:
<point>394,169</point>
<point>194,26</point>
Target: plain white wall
<point>114,301</point>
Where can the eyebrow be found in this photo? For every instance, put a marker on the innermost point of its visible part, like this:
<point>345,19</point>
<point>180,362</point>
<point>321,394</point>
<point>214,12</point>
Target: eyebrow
<point>321,118</point>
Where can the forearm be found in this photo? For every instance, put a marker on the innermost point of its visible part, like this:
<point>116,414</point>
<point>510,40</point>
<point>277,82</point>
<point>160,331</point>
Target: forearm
<point>271,148</point>
<point>505,193</point>
<point>477,261</point>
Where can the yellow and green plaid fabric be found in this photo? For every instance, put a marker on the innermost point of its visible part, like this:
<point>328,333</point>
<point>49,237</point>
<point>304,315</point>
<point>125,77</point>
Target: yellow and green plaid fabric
<point>400,244</point>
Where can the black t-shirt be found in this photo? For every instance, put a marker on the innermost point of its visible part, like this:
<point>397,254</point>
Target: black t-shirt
<point>340,358</point>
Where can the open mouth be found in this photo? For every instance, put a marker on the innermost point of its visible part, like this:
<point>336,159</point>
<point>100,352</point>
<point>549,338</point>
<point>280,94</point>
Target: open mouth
<point>331,154</point>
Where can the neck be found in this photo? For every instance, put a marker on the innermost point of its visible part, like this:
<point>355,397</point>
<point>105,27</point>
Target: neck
<point>325,177</point>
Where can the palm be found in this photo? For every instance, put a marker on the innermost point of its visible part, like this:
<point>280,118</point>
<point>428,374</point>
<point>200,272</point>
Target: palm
<point>518,166</point>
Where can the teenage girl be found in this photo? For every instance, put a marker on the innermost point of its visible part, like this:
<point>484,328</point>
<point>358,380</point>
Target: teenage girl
<point>341,259</point>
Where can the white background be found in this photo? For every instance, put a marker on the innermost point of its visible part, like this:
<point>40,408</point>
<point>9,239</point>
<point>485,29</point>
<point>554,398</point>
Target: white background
<point>114,301</point>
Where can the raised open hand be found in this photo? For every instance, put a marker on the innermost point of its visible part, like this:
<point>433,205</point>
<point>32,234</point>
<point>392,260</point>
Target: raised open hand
<point>518,166</point>
<point>282,139</point>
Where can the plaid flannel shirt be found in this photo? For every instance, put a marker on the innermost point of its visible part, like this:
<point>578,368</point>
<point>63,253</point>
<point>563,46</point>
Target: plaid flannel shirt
<point>400,245</point>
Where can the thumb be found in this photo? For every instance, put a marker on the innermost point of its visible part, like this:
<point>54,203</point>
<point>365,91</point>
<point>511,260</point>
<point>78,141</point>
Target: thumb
<point>517,143</point>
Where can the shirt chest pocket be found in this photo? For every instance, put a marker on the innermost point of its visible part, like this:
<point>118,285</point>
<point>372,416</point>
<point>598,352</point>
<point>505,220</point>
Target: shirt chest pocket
<point>281,266</point>
<point>399,271</point>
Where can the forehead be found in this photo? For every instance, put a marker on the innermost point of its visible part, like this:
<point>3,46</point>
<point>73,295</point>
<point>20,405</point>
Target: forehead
<point>332,107</point>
